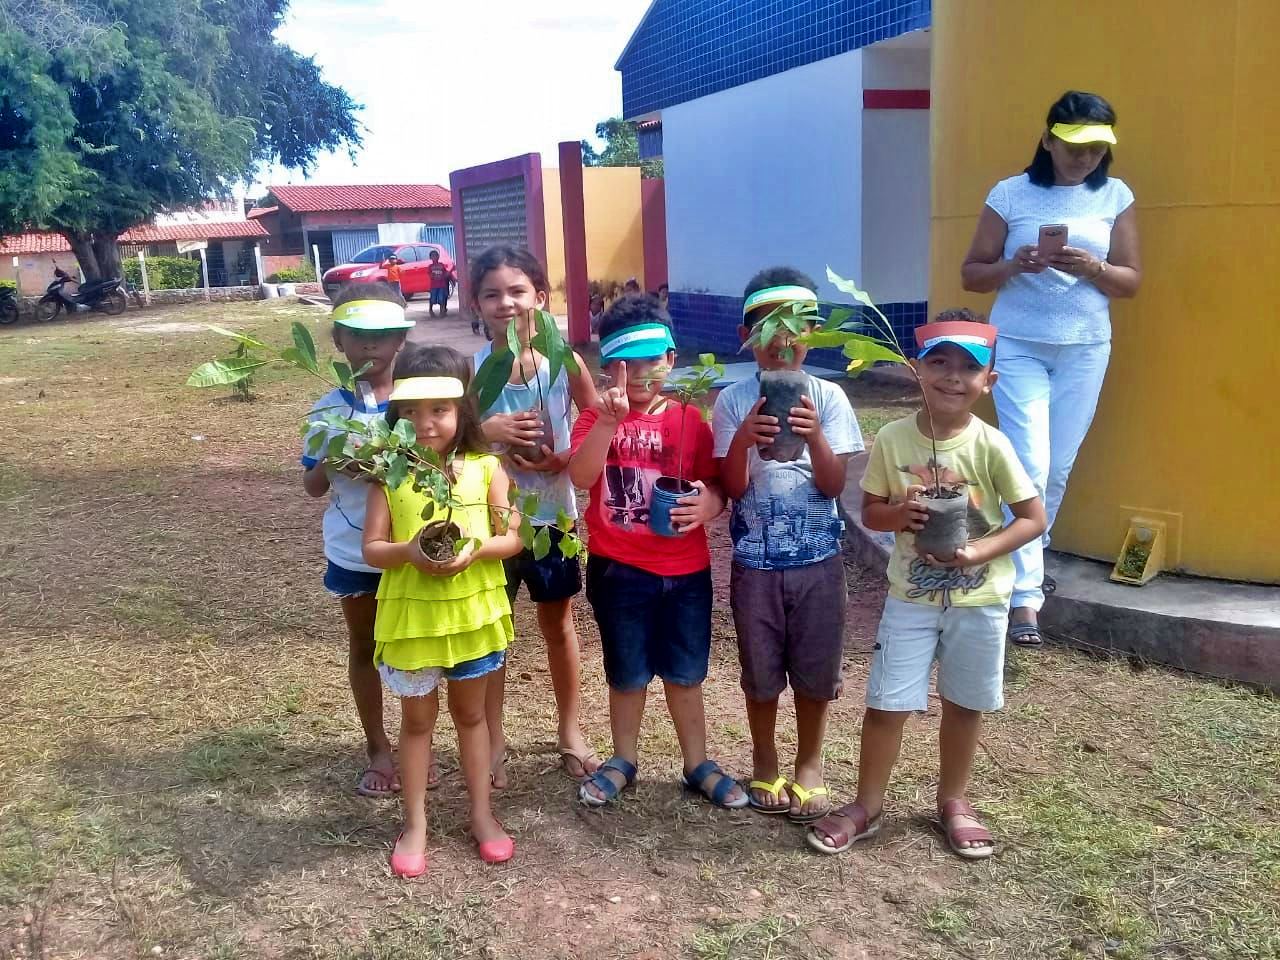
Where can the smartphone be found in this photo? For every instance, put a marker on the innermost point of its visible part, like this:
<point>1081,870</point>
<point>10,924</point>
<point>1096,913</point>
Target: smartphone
<point>1053,237</point>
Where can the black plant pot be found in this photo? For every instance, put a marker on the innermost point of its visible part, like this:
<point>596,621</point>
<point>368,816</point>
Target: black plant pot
<point>947,529</point>
<point>782,390</point>
<point>534,453</point>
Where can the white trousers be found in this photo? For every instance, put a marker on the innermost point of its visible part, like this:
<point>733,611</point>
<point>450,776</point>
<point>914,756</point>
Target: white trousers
<point>1045,398</point>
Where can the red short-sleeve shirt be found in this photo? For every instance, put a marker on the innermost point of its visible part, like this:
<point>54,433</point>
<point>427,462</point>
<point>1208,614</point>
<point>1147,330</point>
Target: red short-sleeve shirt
<point>645,447</point>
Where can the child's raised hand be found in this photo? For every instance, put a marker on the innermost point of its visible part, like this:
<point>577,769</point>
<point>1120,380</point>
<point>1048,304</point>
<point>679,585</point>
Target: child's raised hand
<point>912,511</point>
<point>758,429</point>
<point>804,420</point>
<point>612,404</point>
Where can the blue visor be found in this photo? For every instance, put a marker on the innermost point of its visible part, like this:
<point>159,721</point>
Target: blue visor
<point>644,341</point>
<point>976,347</point>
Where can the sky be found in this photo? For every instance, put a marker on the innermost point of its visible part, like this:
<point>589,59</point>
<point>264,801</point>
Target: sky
<point>474,82</point>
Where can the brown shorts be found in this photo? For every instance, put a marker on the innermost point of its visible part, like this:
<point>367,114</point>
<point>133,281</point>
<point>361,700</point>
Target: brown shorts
<point>790,627</point>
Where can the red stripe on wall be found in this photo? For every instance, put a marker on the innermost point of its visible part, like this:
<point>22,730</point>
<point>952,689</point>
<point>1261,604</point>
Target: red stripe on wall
<point>895,99</point>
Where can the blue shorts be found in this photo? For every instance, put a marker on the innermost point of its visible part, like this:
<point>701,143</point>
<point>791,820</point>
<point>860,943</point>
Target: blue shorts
<point>342,582</point>
<point>440,297</point>
<point>553,578</point>
<point>426,680</point>
<point>650,625</point>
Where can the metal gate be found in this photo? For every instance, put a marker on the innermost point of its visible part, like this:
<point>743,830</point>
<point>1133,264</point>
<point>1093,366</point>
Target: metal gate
<point>347,243</point>
<point>495,213</point>
<point>441,233</point>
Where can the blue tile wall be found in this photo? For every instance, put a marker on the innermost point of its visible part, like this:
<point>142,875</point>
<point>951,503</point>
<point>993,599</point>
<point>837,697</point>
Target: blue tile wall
<point>710,323</point>
<point>690,48</point>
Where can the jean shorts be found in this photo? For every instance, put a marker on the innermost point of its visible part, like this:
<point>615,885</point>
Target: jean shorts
<point>440,297</point>
<point>967,642</point>
<point>650,625</point>
<point>424,681</point>
<point>342,582</point>
<point>555,577</point>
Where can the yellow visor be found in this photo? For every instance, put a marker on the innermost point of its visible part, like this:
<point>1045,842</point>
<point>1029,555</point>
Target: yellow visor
<point>373,316</point>
<point>1084,132</point>
<point>427,388</point>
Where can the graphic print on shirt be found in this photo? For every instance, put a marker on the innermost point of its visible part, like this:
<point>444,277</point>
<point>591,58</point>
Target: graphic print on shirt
<point>634,464</point>
<point>790,520</point>
<point>938,583</point>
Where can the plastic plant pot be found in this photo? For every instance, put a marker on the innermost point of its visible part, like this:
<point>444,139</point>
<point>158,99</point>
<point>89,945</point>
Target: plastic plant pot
<point>534,453</point>
<point>947,529</point>
<point>436,541</point>
<point>782,390</point>
<point>667,492</point>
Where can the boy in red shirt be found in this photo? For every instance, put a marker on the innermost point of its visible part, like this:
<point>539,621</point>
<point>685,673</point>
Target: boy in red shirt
<point>441,276</point>
<point>651,594</point>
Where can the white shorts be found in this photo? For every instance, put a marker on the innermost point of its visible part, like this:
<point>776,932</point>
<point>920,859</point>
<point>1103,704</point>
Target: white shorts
<point>967,642</point>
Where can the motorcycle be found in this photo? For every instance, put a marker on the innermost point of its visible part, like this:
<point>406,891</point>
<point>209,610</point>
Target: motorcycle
<point>105,295</point>
<point>8,305</point>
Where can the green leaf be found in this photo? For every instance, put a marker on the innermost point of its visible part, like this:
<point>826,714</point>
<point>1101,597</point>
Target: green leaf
<point>335,447</point>
<point>871,351</point>
<point>223,373</point>
<point>547,341</point>
<point>397,469</point>
<point>513,338</point>
<point>564,522</point>
<point>530,504</point>
<point>707,360</point>
<point>245,339</point>
<point>428,510</point>
<point>570,547</point>
<point>306,346</point>
<point>343,375</point>
<point>849,287</point>
<point>295,357</point>
<point>541,543</point>
<point>491,378</point>
<point>526,535</point>
<point>836,320</point>
<point>315,443</point>
<point>405,432</point>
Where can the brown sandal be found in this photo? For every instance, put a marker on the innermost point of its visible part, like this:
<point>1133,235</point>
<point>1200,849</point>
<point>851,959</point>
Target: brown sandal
<point>582,759</point>
<point>845,827</point>
<point>959,807</point>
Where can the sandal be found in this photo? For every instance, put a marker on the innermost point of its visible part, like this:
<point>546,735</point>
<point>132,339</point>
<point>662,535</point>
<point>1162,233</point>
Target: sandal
<point>959,807</point>
<point>717,794</point>
<point>835,826</point>
<point>581,759</point>
<point>804,796</point>
<point>366,785</point>
<point>407,865</point>
<point>772,789</point>
<point>608,789</point>
<point>498,768</point>
<point>1025,634</point>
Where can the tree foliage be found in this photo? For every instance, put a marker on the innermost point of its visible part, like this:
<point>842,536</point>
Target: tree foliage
<point>621,148</point>
<point>114,110</point>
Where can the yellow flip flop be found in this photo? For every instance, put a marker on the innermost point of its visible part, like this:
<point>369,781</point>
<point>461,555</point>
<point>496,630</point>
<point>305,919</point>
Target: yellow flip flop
<point>772,789</point>
<point>804,796</point>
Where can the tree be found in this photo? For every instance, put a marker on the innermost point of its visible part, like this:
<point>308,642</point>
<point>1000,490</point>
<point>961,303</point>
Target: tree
<point>112,111</point>
<point>621,148</point>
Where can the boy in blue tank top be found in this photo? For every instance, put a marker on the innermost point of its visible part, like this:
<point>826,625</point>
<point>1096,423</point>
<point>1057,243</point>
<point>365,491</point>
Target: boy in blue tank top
<point>506,283</point>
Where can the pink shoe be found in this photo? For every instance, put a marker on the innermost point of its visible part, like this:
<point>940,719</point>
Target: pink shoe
<point>408,865</point>
<point>494,851</point>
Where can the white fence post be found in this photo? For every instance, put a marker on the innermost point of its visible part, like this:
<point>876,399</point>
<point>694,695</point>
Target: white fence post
<point>315,255</point>
<point>204,271</point>
<point>257,257</point>
<point>17,279</point>
<point>146,283</point>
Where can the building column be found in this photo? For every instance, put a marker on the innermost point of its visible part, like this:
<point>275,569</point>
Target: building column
<point>573,210</point>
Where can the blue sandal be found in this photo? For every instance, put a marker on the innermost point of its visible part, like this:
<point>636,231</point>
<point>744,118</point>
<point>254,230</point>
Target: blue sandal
<point>608,789</point>
<point>724,786</point>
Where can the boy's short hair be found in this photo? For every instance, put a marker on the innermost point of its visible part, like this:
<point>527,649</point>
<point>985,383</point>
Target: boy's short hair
<point>434,254</point>
<point>377,290</point>
<point>778,277</point>
<point>960,313</point>
<point>630,310</point>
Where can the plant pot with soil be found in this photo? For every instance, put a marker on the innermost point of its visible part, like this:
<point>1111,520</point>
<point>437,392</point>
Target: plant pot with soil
<point>782,390</point>
<point>437,541</point>
<point>947,529</point>
<point>668,491</point>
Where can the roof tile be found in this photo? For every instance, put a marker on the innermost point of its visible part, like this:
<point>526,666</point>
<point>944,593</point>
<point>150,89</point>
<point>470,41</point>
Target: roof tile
<point>390,196</point>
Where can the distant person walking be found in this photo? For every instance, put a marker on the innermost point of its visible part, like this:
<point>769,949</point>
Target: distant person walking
<point>442,277</point>
<point>392,266</point>
<point>1056,242</point>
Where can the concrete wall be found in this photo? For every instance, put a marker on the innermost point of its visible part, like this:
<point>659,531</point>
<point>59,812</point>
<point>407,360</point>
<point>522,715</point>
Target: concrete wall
<point>766,173</point>
<point>35,270</point>
<point>895,177</point>
<point>1187,426</point>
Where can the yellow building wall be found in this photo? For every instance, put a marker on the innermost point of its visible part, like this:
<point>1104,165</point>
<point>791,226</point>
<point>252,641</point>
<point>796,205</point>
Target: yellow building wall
<point>615,233</point>
<point>1188,428</point>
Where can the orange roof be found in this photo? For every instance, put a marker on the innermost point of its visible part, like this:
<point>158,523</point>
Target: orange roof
<point>390,196</point>
<point>144,233</point>
<point>260,212</point>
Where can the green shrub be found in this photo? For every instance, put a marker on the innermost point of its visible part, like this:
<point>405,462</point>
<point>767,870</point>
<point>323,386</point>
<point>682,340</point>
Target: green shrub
<point>9,283</point>
<point>303,273</point>
<point>165,273</point>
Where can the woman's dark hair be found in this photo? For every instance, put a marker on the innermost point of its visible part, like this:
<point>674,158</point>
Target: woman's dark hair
<point>506,256</point>
<point>631,310</point>
<point>1074,106</point>
<point>443,362</point>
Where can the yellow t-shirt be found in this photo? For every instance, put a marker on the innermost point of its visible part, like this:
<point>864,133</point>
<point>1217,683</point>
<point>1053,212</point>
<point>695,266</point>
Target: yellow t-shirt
<point>981,459</point>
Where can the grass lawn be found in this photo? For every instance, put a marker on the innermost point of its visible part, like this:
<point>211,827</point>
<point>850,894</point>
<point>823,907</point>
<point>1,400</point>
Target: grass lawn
<point>178,747</point>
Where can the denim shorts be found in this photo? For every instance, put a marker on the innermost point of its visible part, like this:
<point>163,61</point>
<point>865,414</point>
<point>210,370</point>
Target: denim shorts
<point>424,681</point>
<point>650,625</point>
<point>342,582</point>
<point>554,577</point>
<point>967,642</point>
<point>440,297</point>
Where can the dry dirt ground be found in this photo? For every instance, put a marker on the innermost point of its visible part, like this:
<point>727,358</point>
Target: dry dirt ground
<point>178,748</point>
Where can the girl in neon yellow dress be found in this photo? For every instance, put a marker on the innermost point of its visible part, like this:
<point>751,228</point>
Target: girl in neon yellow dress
<point>442,621</point>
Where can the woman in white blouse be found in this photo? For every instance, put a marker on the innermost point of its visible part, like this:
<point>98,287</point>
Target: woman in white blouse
<point>1052,307</point>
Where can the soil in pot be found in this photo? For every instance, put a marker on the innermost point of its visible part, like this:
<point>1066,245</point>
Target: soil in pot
<point>436,541</point>
<point>947,529</point>
<point>534,453</point>
<point>782,390</point>
<point>667,492</point>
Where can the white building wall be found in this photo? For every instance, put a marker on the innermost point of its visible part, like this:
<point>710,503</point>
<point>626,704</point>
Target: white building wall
<point>895,177</point>
<point>767,173</point>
